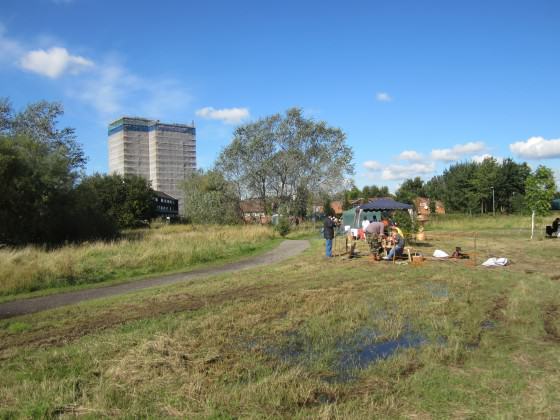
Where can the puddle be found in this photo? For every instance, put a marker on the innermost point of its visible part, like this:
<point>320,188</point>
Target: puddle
<point>350,355</point>
<point>363,351</point>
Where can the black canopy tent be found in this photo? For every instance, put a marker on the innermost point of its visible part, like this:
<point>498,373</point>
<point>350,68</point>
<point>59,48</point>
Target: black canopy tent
<point>384,204</point>
<point>381,204</point>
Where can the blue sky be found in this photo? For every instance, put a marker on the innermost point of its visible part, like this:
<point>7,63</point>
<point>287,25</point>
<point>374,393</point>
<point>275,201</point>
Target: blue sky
<point>416,85</point>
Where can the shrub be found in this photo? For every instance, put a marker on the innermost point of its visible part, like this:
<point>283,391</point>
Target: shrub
<point>405,222</point>
<point>283,226</point>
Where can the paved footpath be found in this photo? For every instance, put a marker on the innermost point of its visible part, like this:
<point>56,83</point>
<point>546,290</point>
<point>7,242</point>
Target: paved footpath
<point>286,249</point>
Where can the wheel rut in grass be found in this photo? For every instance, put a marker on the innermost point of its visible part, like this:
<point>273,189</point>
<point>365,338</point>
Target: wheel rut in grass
<point>286,249</point>
<point>111,317</point>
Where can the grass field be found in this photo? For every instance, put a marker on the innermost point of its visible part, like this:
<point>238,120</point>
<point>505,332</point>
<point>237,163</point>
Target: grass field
<point>307,338</point>
<point>162,249</point>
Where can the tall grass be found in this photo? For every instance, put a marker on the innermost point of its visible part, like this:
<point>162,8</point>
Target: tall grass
<point>165,248</point>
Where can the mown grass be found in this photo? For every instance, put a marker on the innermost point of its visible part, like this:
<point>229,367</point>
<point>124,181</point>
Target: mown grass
<point>271,342</point>
<point>162,249</point>
<point>476,222</point>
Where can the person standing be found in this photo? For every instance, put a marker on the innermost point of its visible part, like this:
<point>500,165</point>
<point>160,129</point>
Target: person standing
<point>328,233</point>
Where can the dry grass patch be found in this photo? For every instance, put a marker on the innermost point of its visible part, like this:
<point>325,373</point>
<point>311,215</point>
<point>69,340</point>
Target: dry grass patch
<point>158,250</point>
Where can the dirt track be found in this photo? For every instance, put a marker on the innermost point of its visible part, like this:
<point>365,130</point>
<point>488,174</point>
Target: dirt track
<point>285,250</point>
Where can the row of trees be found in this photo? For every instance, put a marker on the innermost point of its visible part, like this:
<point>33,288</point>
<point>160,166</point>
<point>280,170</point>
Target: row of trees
<point>45,196</point>
<point>290,162</point>
<point>471,187</point>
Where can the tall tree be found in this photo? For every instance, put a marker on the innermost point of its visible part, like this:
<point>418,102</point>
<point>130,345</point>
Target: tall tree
<point>410,189</point>
<point>484,184</point>
<point>459,193</point>
<point>39,167</point>
<point>39,121</point>
<point>271,158</point>
<point>540,188</point>
<point>510,185</point>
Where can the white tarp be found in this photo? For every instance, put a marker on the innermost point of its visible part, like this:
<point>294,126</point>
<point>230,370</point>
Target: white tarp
<point>495,262</point>
<point>438,253</point>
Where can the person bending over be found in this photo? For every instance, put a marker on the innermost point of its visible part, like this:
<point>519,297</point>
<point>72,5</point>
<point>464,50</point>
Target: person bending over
<point>374,235</point>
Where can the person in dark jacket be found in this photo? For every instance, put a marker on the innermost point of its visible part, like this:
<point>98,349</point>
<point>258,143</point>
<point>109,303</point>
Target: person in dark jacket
<point>554,230</point>
<point>328,233</point>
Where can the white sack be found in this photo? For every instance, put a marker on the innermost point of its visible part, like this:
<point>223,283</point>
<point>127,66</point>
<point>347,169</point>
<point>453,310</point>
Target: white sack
<point>495,262</point>
<point>438,253</point>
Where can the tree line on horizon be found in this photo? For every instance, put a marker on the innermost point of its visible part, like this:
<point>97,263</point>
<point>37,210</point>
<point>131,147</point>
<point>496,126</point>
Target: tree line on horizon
<point>287,161</point>
<point>290,163</point>
<point>475,187</point>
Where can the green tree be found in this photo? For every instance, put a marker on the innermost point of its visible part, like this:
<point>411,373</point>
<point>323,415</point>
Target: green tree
<point>39,121</point>
<point>39,167</point>
<point>354,193</point>
<point>346,204</point>
<point>540,188</point>
<point>210,198</point>
<point>435,189</point>
<point>484,182</point>
<point>459,192</point>
<point>406,223</point>
<point>128,200</point>
<point>410,189</point>
<point>510,185</point>
<point>271,158</point>
<point>327,208</point>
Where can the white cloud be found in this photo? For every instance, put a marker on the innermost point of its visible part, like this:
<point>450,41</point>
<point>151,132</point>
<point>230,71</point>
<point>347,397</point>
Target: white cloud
<point>537,148</point>
<point>457,151</point>
<point>227,115</point>
<point>108,87</point>
<point>372,165</point>
<point>54,62</point>
<point>113,90</point>
<point>410,155</point>
<point>397,172</point>
<point>383,97</point>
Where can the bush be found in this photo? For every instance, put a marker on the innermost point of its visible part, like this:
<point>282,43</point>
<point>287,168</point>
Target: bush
<point>403,220</point>
<point>283,226</point>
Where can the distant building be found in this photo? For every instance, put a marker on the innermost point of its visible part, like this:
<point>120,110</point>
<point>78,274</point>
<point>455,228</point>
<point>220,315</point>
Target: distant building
<point>424,206</point>
<point>336,207</point>
<point>253,211</point>
<point>166,206</point>
<point>162,153</point>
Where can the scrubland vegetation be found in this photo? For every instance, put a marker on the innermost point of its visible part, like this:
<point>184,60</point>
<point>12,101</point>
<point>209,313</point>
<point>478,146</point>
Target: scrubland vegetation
<point>164,248</point>
<point>309,338</point>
